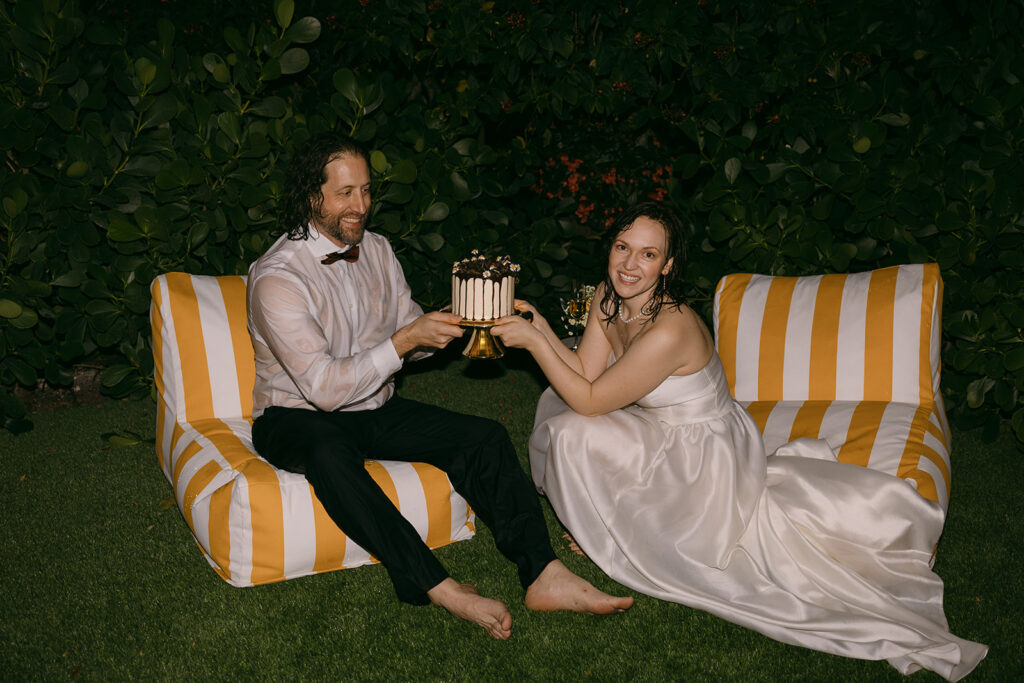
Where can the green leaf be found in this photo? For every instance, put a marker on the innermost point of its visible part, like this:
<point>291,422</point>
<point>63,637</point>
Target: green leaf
<point>460,187</point>
<point>9,309</point>
<point>26,320</point>
<point>161,111</point>
<point>345,83</point>
<point>720,227</point>
<point>211,62</point>
<point>294,60</point>
<point>16,203</point>
<point>840,255</point>
<point>465,147</point>
<point>398,194</point>
<point>197,234</point>
<point>1018,423</point>
<point>229,124</point>
<point>404,171</point>
<point>1014,358</point>
<point>732,169</point>
<point>564,45</point>
<point>437,211</point>
<point>165,31</point>
<point>221,73</point>
<point>235,40</point>
<point>432,240</point>
<point>72,278</point>
<point>24,373</point>
<point>125,440</point>
<point>283,12</point>
<point>977,389</point>
<point>948,221</point>
<point>272,107</point>
<point>114,374</point>
<point>378,161</point>
<point>895,120</point>
<point>145,70</point>
<point>367,129</point>
<point>555,252</point>
<point>77,169</point>
<point>495,217</point>
<point>120,229</point>
<point>101,307</point>
<point>99,35</point>
<point>305,30</point>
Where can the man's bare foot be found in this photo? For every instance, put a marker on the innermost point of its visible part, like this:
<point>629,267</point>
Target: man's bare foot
<point>463,600</point>
<point>557,588</point>
<point>573,545</point>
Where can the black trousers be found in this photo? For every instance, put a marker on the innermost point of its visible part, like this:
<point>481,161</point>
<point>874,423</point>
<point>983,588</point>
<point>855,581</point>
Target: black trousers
<point>475,453</point>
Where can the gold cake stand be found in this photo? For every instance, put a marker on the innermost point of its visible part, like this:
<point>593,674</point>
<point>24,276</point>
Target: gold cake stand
<point>482,344</point>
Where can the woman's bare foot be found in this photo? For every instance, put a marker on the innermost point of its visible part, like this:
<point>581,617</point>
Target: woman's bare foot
<point>573,545</point>
<point>463,600</point>
<point>557,588</point>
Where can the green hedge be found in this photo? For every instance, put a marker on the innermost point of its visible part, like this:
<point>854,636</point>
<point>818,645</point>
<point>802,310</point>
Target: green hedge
<point>795,137</point>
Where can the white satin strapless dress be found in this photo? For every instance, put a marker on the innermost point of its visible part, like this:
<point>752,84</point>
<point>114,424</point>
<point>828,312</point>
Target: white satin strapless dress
<point>674,496</point>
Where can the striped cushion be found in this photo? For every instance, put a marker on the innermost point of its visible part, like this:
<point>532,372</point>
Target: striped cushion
<point>254,523</point>
<point>853,359</point>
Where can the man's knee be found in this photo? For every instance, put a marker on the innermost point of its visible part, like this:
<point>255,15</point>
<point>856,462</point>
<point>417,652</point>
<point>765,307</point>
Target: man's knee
<point>484,431</point>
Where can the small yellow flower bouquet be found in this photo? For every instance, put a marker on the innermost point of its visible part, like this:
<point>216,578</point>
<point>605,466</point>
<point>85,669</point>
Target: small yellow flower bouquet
<point>576,309</point>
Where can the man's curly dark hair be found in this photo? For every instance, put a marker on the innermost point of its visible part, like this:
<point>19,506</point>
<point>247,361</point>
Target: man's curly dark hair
<point>670,288</point>
<point>303,201</point>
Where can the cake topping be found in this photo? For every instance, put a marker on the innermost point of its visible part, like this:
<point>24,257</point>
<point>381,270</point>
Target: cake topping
<point>478,265</point>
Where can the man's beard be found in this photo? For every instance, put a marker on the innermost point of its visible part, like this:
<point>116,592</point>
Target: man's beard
<point>334,228</point>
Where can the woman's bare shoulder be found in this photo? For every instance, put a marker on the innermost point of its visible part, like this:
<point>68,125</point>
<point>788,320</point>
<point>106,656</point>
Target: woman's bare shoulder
<point>683,330</point>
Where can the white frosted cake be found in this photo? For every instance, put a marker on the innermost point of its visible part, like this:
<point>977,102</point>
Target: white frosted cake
<point>483,288</point>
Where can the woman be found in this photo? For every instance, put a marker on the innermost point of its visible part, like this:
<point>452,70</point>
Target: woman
<point>662,479</point>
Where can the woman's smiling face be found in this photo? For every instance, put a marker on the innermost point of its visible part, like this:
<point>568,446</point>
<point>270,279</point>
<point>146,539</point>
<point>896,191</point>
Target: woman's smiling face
<point>638,258</point>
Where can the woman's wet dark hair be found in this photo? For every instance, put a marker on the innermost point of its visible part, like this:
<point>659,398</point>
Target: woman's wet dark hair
<point>670,288</point>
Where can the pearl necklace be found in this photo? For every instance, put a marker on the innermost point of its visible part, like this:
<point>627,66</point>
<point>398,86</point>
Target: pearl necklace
<point>630,319</point>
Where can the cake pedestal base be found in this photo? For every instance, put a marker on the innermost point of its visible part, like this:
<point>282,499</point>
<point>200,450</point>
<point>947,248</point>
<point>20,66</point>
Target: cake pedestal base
<point>482,344</point>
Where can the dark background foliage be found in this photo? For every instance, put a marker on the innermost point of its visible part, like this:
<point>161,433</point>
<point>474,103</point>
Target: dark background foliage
<point>795,137</point>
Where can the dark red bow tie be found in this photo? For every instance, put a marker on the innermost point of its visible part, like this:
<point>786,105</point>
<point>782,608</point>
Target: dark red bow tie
<point>348,255</point>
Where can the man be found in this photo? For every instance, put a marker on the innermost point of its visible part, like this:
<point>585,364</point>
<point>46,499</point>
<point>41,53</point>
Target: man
<point>331,318</point>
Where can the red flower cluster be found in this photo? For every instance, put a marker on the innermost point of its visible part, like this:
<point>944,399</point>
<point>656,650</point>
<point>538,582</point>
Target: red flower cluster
<point>724,51</point>
<point>612,177</point>
<point>860,59</point>
<point>622,86</point>
<point>674,113</point>
<point>584,209</point>
<point>658,173</point>
<point>515,19</point>
<point>561,178</point>
<point>642,41</point>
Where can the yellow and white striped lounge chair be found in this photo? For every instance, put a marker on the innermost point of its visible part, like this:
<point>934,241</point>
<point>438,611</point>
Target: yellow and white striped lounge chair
<point>254,523</point>
<point>852,359</point>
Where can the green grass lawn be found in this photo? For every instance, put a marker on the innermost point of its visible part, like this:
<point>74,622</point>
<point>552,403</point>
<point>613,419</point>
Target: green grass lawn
<point>100,578</point>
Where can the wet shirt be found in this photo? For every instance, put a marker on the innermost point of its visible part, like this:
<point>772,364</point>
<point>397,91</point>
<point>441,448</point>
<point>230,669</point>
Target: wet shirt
<point>322,333</point>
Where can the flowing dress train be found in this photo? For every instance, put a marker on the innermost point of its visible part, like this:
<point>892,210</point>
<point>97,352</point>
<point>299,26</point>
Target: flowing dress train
<point>675,497</point>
